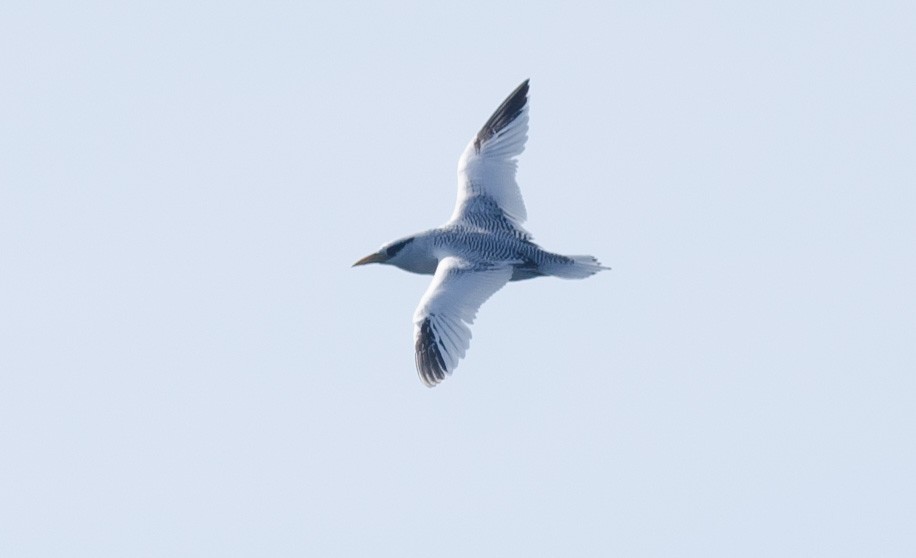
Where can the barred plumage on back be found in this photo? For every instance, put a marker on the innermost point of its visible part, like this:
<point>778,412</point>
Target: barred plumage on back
<point>481,248</point>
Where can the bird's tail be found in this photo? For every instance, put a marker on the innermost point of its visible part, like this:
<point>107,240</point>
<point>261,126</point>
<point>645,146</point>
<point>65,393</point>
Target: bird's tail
<point>572,267</point>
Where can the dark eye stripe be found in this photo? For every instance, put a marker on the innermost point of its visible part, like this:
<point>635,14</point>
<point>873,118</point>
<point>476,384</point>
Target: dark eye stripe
<point>397,247</point>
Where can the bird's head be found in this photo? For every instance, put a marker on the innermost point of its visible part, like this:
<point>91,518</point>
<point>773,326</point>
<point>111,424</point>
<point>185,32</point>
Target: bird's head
<point>390,253</point>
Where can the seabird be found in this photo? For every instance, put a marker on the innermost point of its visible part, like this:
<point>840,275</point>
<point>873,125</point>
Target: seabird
<point>481,248</point>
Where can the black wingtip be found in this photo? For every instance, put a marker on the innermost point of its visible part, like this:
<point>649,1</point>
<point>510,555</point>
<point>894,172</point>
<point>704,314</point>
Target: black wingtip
<point>430,363</point>
<point>504,115</point>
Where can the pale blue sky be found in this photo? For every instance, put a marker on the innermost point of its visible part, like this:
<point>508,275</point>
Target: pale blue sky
<point>190,367</point>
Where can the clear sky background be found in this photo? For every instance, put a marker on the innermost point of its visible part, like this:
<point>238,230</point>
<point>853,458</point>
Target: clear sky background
<point>190,367</point>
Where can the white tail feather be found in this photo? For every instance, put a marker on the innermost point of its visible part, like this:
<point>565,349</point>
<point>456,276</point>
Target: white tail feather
<point>580,268</point>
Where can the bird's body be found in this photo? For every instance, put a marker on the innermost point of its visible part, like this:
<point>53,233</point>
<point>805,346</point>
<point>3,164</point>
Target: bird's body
<point>481,248</point>
<point>425,250</point>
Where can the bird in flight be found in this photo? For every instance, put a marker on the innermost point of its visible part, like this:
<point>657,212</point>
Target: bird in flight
<point>481,248</point>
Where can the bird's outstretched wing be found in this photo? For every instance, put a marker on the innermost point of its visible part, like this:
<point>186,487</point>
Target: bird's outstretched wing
<point>441,331</point>
<point>488,195</point>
